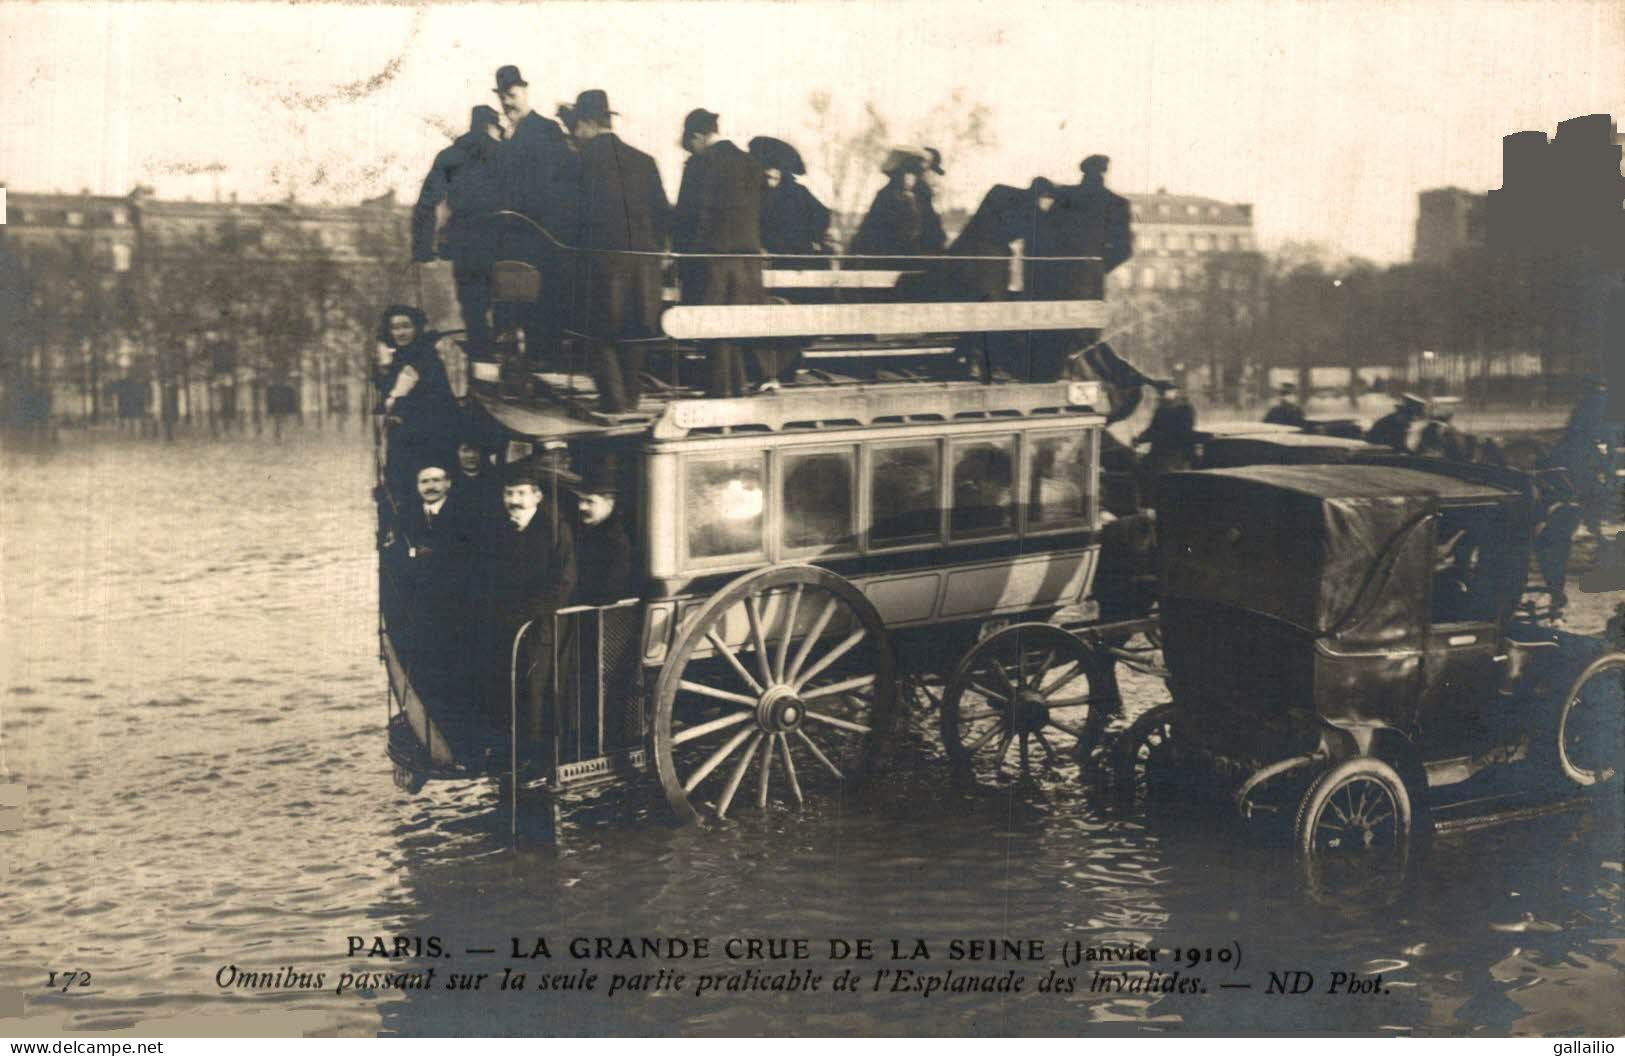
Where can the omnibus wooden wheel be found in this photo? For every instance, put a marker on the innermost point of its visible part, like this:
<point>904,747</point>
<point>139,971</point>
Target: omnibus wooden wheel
<point>1591,726</point>
<point>1026,691</point>
<point>787,671</point>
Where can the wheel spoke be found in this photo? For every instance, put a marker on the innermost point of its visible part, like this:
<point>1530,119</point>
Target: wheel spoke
<point>1063,683</point>
<point>727,651</point>
<point>1042,670</point>
<point>829,658</point>
<point>719,694</point>
<point>981,741</point>
<point>711,727</point>
<point>1004,677</point>
<point>789,632</point>
<point>813,633</point>
<point>822,758</point>
<point>737,776</point>
<point>716,760</point>
<point>840,724</point>
<point>1076,735</point>
<point>988,694</point>
<point>1049,752</point>
<point>1024,761</point>
<point>835,689</point>
<point>790,769</point>
<point>978,716</point>
<point>754,611</point>
<point>1004,750</point>
<point>767,768</point>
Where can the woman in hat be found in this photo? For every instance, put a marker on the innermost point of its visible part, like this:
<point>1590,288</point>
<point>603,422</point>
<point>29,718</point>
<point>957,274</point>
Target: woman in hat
<point>903,220</point>
<point>416,394</point>
<point>794,222</point>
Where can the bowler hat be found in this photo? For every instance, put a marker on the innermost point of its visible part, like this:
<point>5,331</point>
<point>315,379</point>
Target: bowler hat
<point>507,77</point>
<point>593,105</point>
<point>1094,163</point>
<point>700,122</point>
<point>599,478</point>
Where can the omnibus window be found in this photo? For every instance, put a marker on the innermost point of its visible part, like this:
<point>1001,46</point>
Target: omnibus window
<point>724,505</point>
<point>984,487</point>
<point>1057,476</point>
<point>817,499</point>
<point>903,494</point>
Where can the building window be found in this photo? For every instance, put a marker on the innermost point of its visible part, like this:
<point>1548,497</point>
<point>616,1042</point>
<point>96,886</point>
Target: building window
<point>120,217</point>
<point>1212,211</point>
<point>121,257</point>
<point>1176,278</point>
<point>74,218</point>
<point>1203,243</point>
<point>1162,208</point>
<point>1191,210</point>
<point>1148,278</point>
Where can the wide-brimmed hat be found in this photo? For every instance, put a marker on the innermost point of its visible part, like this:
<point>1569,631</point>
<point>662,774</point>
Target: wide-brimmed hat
<point>777,154</point>
<point>482,116</point>
<point>593,105</point>
<point>507,77</point>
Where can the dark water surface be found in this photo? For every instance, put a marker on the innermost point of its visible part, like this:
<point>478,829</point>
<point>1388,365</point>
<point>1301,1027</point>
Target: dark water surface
<point>194,727</point>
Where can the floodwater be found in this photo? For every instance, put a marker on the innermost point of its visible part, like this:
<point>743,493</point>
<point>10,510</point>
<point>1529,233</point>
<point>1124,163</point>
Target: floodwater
<point>194,778</point>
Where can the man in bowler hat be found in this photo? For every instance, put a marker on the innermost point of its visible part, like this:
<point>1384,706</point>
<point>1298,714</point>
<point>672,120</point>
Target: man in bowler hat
<point>719,210</point>
<point>527,571</point>
<point>536,167</point>
<point>603,548</point>
<point>466,178</point>
<point>622,212</point>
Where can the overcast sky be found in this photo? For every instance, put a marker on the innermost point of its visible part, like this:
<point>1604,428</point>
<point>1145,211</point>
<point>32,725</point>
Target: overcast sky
<point>1328,117</point>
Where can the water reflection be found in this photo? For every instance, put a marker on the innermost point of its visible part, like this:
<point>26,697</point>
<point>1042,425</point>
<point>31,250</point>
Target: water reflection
<point>192,697</point>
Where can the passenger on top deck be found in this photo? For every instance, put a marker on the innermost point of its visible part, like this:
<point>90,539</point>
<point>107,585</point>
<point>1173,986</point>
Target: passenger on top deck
<point>417,400</point>
<point>525,572</point>
<point>537,167</point>
<point>1394,429</point>
<point>794,222</point>
<point>621,206</point>
<point>466,178</point>
<point>719,211</point>
<point>603,548</point>
<point>902,220</point>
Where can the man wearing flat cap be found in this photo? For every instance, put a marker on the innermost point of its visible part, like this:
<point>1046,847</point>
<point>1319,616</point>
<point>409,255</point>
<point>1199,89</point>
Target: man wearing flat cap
<point>526,573</point>
<point>465,177</point>
<point>621,212</point>
<point>537,169</point>
<point>719,210</point>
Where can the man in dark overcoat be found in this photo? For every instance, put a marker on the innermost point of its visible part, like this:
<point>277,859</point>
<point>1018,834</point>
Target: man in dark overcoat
<point>526,572</point>
<point>719,210</point>
<point>1287,410</point>
<point>537,164</point>
<point>465,177</point>
<point>621,205</point>
<point>603,547</point>
<point>1394,429</point>
<point>1088,221</point>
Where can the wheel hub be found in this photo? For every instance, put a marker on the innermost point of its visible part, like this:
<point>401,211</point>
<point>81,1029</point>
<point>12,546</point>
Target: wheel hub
<point>780,709</point>
<point>1028,712</point>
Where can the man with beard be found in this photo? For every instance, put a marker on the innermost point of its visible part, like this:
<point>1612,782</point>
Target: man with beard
<point>436,538</point>
<point>527,572</point>
<point>623,212</point>
<point>465,177</point>
<point>536,164</point>
<point>719,210</point>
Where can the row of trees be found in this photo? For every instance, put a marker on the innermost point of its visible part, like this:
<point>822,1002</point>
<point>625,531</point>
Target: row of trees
<point>1299,308</point>
<point>224,327</point>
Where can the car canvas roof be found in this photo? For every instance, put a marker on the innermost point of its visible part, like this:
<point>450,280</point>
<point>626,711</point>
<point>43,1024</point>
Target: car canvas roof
<point>1299,543</point>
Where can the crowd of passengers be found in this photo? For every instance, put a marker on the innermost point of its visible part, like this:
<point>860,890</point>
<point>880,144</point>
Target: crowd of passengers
<point>735,210</point>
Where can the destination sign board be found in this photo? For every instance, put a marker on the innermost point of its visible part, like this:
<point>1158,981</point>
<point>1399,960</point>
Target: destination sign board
<point>718,321</point>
